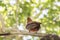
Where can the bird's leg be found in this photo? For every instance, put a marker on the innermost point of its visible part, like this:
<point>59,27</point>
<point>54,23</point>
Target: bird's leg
<point>29,31</point>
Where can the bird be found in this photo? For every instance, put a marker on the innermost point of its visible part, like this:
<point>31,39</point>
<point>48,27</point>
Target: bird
<point>32,26</point>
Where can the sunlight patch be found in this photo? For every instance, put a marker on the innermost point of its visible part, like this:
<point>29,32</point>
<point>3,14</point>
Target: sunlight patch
<point>36,11</point>
<point>43,0</point>
<point>2,8</point>
<point>44,12</point>
<point>27,0</point>
<point>57,3</point>
<point>21,27</point>
<point>12,2</point>
<point>27,38</point>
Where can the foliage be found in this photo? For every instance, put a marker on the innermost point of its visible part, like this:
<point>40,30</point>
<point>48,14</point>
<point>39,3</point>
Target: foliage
<point>19,10</point>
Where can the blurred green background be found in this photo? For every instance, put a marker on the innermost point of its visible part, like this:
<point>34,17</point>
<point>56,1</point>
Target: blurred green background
<point>13,15</point>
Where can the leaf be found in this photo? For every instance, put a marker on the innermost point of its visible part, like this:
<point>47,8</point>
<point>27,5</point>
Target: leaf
<point>2,4</point>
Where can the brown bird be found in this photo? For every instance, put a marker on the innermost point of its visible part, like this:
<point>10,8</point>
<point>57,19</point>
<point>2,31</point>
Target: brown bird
<point>32,26</point>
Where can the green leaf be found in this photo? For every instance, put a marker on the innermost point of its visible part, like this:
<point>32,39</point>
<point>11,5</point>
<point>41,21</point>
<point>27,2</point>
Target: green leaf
<point>2,4</point>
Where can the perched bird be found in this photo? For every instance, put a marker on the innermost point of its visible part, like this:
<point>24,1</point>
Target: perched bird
<point>32,26</point>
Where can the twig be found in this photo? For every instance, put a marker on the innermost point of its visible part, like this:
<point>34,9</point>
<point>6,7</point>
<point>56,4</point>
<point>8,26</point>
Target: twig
<point>3,25</point>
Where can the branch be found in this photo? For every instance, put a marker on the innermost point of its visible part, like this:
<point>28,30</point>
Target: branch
<point>24,33</point>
